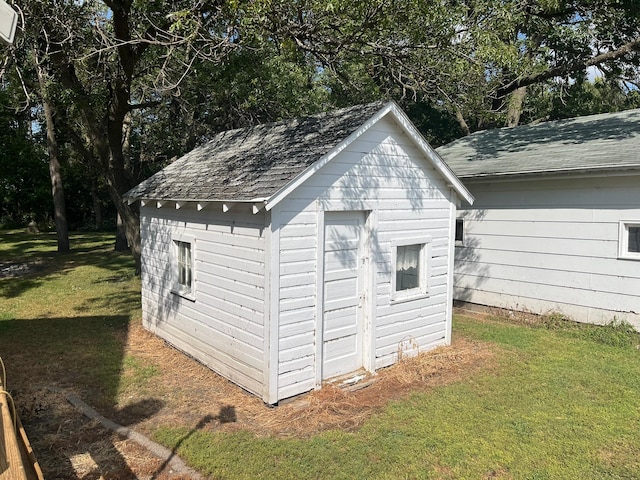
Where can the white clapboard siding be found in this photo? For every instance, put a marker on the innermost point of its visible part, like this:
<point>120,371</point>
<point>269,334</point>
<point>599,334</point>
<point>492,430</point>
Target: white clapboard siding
<point>551,245</point>
<point>224,327</point>
<point>381,171</point>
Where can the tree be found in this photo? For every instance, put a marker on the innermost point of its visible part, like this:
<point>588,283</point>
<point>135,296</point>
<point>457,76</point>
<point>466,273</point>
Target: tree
<point>140,82</point>
<point>476,58</point>
<point>24,188</point>
<point>57,189</point>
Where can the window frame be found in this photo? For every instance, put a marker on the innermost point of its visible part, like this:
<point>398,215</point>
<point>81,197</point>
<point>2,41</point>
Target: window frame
<point>459,243</point>
<point>178,288</point>
<point>424,270</point>
<point>623,240</point>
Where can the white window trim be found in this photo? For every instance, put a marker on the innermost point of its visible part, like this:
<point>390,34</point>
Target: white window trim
<point>623,240</point>
<point>176,288</point>
<point>422,291</point>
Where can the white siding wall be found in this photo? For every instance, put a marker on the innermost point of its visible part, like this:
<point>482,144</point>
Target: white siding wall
<point>381,172</point>
<point>224,327</point>
<point>551,245</point>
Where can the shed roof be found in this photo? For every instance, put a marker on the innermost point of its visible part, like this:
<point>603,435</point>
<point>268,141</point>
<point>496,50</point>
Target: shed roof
<point>604,142</point>
<point>256,164</point>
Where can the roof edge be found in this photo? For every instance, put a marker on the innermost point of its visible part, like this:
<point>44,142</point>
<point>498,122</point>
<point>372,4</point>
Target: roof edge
<point>620,168</point>
<point>430,152</point>
<point>410,129</point>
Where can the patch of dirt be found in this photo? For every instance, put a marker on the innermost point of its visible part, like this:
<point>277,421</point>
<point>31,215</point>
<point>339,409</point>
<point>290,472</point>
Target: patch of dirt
<point>14,270</point>
<point>184,393</point>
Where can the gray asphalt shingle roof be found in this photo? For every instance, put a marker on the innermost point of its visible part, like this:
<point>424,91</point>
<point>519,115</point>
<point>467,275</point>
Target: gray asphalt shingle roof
<point>596,142</point>
<point>253,163</point>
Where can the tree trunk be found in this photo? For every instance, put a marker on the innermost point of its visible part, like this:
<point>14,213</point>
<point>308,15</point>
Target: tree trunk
<point>514,111</point>
<point>462,122</point>
<point>121,236</point>
<point>57,190</point>
<point>97,208</point>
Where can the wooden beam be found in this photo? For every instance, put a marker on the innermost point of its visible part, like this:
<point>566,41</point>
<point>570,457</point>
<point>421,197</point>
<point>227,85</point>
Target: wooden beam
<point>256,207</point>
<point>200,206</point>
<point>159,204</point>
<point>227,206</point>
<point>142,203</point>
<point>179,205</point>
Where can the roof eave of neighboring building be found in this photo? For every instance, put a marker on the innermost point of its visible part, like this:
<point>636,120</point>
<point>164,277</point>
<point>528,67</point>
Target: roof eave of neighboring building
<point>613,170</point>
<point>391,107</point>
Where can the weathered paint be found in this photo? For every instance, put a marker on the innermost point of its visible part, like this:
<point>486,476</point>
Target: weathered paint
<point>224,327</point>
<point>551,245</point>
<point>260,291</point>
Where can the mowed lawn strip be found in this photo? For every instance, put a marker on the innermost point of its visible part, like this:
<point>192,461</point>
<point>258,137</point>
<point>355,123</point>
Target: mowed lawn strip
<point>64,318</point>
<point>560,404</point>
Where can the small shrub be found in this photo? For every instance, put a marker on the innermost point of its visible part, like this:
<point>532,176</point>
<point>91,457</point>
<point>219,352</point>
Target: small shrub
<point>616,333</point>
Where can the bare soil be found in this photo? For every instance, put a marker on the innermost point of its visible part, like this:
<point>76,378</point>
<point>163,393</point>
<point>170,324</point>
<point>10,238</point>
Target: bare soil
<point>184,393</point>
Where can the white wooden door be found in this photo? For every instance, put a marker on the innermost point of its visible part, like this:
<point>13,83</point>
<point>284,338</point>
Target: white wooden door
<point>342,309</point>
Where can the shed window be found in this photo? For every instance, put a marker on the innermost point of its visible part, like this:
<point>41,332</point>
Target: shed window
<point>629,240</point>
<point>411,266</point>
<point>183,267</point>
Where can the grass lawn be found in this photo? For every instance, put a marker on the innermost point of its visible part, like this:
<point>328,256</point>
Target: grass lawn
<point>557,400</point>
<point>561,403</point>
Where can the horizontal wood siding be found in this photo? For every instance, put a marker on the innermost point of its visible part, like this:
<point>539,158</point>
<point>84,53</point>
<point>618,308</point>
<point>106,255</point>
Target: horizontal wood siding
<point>297,297</point>
<point>381,171</point>
<point>551,245</point>
<point>224,326</point>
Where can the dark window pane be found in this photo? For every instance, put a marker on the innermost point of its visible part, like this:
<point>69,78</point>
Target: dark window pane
<point>408,267</point>
<point>459,230</point>
<point>634,239</point>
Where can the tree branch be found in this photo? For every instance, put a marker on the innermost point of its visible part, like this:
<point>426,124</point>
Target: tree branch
<point>564,69</point>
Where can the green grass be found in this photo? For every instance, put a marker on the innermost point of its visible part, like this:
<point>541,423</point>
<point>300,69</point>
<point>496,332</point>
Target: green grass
<point>66,321</point>
<point>559,405</point>
<point>560,401</point>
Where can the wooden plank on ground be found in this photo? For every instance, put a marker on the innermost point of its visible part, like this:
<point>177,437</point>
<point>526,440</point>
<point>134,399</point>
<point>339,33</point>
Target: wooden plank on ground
<point>11,466</point>
<point>17,460</point>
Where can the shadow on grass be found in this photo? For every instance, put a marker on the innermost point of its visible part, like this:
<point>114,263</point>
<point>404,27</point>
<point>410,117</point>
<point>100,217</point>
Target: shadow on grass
<point>85,355</point>
<point>27,260</point>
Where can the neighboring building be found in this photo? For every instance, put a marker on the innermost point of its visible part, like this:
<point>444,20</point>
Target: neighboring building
<point>286,254</point>
<point>556,222</point>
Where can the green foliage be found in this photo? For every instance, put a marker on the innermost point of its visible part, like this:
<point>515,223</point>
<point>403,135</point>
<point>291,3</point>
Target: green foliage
<point>184,70</point>
<point>561,99</point>
<point>25,189</point>
<point>616,333</point>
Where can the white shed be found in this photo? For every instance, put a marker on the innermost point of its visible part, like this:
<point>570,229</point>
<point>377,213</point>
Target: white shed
<point>556,222</point>
<point>286,254</point>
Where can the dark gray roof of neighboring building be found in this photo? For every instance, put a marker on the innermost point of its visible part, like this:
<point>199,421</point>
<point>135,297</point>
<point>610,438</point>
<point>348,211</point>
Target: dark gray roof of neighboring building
<point>253,163</point>
<point>608,141</point>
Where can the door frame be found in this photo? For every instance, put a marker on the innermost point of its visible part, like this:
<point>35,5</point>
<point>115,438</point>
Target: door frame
<point>367,275</point>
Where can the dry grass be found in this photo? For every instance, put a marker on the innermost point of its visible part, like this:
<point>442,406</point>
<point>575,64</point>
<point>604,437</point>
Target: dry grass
<point>193,395</point>
<point>186,394</point>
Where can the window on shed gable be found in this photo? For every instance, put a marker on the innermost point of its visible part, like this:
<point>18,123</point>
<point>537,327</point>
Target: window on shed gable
<point>629,240</point>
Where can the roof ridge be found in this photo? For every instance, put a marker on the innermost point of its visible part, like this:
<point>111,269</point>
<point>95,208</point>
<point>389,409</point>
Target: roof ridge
<point>301,119</point>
